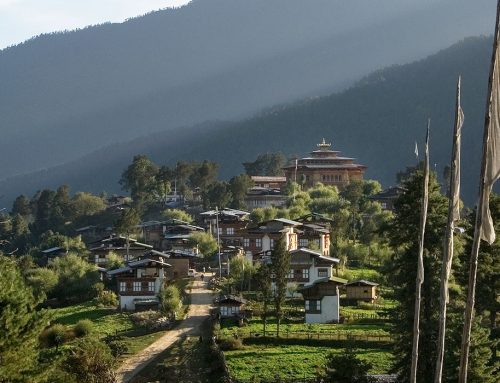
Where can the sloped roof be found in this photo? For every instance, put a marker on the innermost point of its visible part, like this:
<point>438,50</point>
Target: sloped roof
<point>336,280</point>
<point>362,282</point>
<point>231,298</point>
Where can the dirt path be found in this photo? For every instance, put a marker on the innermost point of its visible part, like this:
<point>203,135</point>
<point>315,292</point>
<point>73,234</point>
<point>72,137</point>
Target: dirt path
<point>201,300</point>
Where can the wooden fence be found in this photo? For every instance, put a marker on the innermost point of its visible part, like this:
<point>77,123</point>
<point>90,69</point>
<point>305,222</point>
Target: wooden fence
<point>334,336</point>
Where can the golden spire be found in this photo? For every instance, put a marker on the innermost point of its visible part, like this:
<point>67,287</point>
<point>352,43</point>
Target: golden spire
<point>324,145</point>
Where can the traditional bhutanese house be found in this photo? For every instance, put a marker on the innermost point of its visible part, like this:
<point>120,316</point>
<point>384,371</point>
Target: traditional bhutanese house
<point>177,237</point>
<point>269,182</point>
<point>259,197</point>
<point>152,232</point>
<point>118,244</point>
<point>92,233</point>
<point>261,238</point>
<point>230,305</point>
<point>387,197</point>
<point>181,262</point>
<point>315,236</point>
<point>308,266</point>
<point>325,166</point>
<point>361,290</point>
<point>230,222</point>
<point>50,254</point>
<point>139,282</point>
<point>321,300</point>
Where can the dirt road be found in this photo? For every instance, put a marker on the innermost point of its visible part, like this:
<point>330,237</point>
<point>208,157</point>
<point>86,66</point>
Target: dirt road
<point>201,300</point>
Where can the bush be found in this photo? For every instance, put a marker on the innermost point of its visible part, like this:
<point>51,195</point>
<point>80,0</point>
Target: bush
<point>107,298</point>
<point>170,300</point>
<point>116,344</point>
<point>83,327</point>
<point>91,361</point>
<point>146,318</point>
<point>230,344</point>
<point>55,335</point>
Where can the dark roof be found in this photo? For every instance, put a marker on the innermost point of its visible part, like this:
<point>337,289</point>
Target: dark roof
<point>315,254</point>
<point>333,280</point>
<point>390,193</point>
<point>362,282</point>
<point>231,298</point>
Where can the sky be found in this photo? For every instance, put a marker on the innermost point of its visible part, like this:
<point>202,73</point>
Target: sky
<point>22,19</point>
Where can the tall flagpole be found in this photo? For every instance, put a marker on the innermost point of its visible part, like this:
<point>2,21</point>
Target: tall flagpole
<point>453,215</point>
<point>420,265</point>
<point>490,169</point>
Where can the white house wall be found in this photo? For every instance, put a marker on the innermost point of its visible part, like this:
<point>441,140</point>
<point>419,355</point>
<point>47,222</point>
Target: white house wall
<point>127,301</point>
<point>329,311</point>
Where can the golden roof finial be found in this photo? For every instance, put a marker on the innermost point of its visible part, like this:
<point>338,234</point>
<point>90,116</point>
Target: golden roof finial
<point>324,145</point>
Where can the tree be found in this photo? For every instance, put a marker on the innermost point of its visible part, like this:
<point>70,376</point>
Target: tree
<point>75,279</point>
<point>86,204</point>
<point>203,175</point>
<point>91,361</point>
<point>42,280</point>
<point>114,261</point>
<point>127,224</point>
<point>269,164</point>
<point>281,268</point>
<point>239,186</point>
<point>169,300</point>
<point>163,184</point>
<point>242,270</point>
<point>140,180</point>
<point>21,206</point>
<point>177,214</point>
<point>403,270</point>
<point>20,325</point>
<point>207,245</point>
<point>346,367</point>
<point>263,277</point>
<point>217,194</point>
<point>43,212</point>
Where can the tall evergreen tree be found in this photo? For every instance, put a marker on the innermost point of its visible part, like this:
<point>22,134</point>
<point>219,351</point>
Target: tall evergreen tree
<point>281,268</point>
<point>402,277</point>
<point>20,326</point>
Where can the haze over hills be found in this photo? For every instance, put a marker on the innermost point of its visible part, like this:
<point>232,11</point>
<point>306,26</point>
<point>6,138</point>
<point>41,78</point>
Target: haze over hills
<point>377,120</point>
<point>64,95</point>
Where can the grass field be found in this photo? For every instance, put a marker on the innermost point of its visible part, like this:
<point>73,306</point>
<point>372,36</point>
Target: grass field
<point>228,327</point>
<point>293,361</point>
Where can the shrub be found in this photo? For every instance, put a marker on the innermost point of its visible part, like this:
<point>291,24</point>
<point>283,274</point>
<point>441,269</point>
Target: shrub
<point>170,300</point>
<point>107,298</point>
<point>145,318</point>
<point>116,344</point>
<point>83,327</point>
<point>55,335</point>
<point>230,344</point>
<point>91,361</point>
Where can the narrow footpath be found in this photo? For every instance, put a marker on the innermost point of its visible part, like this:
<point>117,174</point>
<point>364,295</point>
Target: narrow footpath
<point>199,310</point>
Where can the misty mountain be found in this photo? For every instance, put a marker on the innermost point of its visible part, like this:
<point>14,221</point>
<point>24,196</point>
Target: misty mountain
<point>377,121</point>
<point>65,95</point>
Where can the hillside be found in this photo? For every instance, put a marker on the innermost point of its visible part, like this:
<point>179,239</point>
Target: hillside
<point>65,95</point>
<point>377,121</point>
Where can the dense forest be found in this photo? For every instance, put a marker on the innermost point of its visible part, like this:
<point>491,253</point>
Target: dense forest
<point>377,121</point>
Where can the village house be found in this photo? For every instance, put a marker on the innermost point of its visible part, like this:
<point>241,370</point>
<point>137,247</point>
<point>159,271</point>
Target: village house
<point>269,182</point>
<point>308,266</point>
<point>361,290</point>
<point>324,166</point>
<point>99,250</point>
<point>321,300</point>
<point>387,197</point>
<point>230,305</point>
<point>261,238</point>
<point>50,254</point>
<point>139,282</point>
<point>178,237</point>
<point>226,225</point>
<point>181,262</point>
<point>261,197</point>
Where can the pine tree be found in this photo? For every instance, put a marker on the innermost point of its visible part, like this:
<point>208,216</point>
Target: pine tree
<point>20,326</point>
<point>403,238</point>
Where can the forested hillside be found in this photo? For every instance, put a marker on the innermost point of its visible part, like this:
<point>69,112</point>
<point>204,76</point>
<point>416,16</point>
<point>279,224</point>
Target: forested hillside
<point>377,121</point>
<point>64,95</point>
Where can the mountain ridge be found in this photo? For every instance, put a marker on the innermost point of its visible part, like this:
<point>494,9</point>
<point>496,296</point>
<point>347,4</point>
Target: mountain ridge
<point>65,95</point>
<point>377,121</point>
